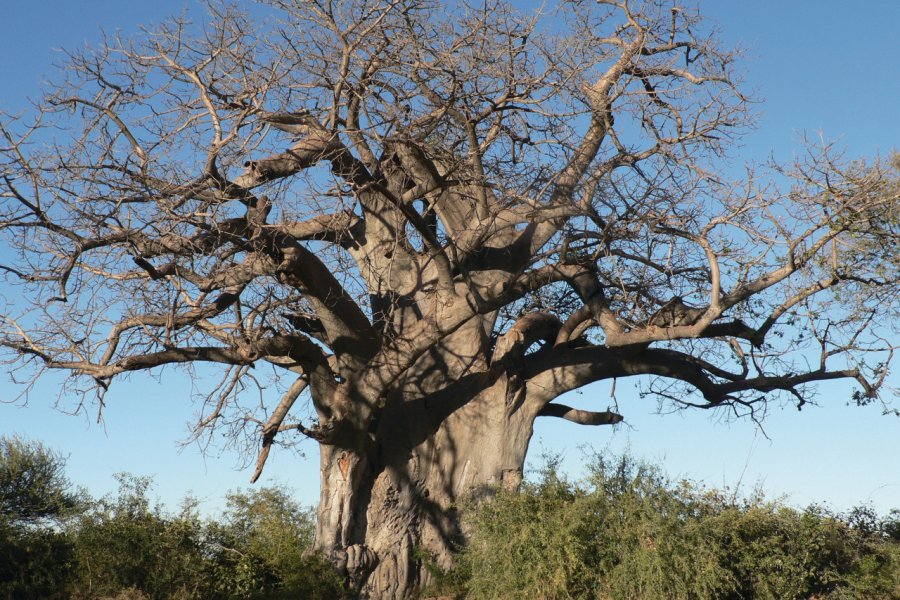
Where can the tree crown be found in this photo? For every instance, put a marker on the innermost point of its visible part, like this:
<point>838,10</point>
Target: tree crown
<point>349,190</point>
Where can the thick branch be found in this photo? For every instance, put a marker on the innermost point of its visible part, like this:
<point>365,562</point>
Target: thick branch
<point>271,428</point>
<point>582,417</point>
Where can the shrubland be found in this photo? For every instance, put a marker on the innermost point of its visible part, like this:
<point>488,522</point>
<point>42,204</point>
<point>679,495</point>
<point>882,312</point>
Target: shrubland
<point>623,531</point>
<point>126,545</point>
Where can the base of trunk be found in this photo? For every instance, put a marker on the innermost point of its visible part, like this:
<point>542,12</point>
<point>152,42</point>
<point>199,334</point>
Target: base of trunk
<point>389,517</point>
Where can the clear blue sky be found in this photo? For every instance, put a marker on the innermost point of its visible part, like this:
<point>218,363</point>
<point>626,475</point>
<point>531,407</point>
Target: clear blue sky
<point>820,66</point>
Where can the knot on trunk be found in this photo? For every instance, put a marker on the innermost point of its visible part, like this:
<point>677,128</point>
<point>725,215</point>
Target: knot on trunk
<point>511,479</point>
<point>358,561</point>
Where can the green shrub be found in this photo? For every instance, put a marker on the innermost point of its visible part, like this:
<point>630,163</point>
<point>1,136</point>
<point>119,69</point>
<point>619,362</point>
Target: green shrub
<point>34,563</point>
<point>54,542</point>
<point>35,500</point>
<point>123,545</point>
<point>261,548</point>
<point>621,534</point>
<point>33,487</point>
<point>125,542</point>
<point>626,532</point>
<point>776,552</point>
<point>653,543</point>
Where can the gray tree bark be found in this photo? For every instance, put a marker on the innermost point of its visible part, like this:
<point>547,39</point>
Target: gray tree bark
<point>386,512</point>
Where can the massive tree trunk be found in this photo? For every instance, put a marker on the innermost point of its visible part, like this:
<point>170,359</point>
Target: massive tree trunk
<point>451,430</point>
<point>388,510</point>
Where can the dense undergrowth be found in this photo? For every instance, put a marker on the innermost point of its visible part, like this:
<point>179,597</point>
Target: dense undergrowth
<point>128,547</point>
<point>626,532</point>
<point>623,532</point>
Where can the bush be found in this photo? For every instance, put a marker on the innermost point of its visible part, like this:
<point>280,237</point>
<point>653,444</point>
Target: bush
<point>34,563</point>
<point>35,500</point>
<point>54,542</point>
<point>621,534</point>
<point>124,542</point>
<point>627,532</point>
<point>778,552</point>
<point>261,548</point>
<point>124,545</point>
<point>33,487</point>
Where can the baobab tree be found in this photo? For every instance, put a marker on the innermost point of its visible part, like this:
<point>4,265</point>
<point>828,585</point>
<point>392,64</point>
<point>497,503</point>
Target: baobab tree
<point>409,228</point>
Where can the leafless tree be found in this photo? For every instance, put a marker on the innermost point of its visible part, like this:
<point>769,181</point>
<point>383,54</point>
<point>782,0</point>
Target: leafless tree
<point>428,223</point>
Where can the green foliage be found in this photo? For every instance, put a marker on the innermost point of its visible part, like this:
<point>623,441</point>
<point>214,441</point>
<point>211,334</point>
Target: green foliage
<point>257,550</point>
<point>128,547</point>
<point>34,563</point>
<point>260,549</point>
<point>627,532</point>
<point>624,532</point>
<point>33,485</point>
<point>35,559</point>
<point>531,543</point>
<point>124,541</point>
<point>777,552</point>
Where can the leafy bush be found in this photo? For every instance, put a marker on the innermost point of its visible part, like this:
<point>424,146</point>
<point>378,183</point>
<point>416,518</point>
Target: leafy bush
<point>623,532</point>
<point>35,499</point>
<point>33,485</point>
<point>55,542</point>
<point>778,552</point>
<point>261,549</point>
<point>627,532</point>
<point>34,563</point>
<point>125,542</point>
<point>258,549</point>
